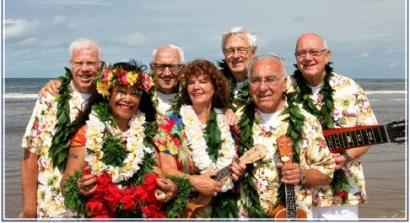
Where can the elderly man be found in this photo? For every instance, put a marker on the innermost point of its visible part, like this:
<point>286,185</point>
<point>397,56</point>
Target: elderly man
<point>44,139</point>
<point>238,47</point>
<point>268,117</point>
<point>338,102</point>
<point>167,60</point>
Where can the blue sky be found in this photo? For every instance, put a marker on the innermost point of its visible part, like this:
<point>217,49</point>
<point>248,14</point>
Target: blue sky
<point>367,37</point>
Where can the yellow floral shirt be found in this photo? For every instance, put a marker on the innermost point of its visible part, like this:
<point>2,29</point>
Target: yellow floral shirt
<point>37,139</point>
<point>313,154</point>
<point>352,108</point>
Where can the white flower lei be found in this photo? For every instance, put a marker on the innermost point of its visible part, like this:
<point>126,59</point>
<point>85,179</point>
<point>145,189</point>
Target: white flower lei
<point>135,146</point>
<point>198,144</point>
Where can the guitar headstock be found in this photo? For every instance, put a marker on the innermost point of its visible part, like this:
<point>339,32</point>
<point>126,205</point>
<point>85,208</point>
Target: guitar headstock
<point>285,148</point>
<point>397,131</point>
<point>256,153</point>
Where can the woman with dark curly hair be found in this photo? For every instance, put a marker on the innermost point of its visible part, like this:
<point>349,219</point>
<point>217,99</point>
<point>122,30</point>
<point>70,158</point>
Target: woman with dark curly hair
<point>195,141</point>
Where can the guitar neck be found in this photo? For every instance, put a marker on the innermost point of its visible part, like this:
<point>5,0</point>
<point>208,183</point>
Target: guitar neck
<point>222,173</point>
<point>340,139</point>
<point>290,201</point>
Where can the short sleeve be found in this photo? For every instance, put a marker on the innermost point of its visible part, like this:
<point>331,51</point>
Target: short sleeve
<point>79,138</point>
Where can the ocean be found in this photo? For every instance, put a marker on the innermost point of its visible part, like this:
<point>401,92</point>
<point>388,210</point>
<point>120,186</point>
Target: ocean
<point>385,165</point>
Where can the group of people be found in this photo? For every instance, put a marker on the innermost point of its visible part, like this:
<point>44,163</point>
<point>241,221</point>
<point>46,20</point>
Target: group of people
<point>116,141</point>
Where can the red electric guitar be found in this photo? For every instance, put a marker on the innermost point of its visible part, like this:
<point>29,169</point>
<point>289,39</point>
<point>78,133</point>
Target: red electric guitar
<point>340,139</point>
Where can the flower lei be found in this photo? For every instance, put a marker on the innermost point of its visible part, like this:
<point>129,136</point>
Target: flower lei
<point>96,133</point>
<point>199,146</point>
<point>243,97</point>
<point>123,189</point>
<point>340,185</point>
<point>60,143</point>
<point>296,121</point>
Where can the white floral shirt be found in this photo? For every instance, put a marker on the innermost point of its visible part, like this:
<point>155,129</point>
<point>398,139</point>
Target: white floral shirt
<point>37,139</point>
<point>352,108</point>
<point>313,154</point>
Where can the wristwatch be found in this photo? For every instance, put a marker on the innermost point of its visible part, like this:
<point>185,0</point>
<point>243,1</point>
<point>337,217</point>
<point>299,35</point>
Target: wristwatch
<point>302,177</point>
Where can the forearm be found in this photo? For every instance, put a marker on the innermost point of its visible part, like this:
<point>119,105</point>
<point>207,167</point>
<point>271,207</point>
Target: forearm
<point>356,153</point>
<point>29,175</point>
<point>315,178</point>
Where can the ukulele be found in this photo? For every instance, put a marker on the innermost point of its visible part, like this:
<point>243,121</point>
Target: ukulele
<point>340,139</point>
<point>256,153</point>
<point>290,211</point>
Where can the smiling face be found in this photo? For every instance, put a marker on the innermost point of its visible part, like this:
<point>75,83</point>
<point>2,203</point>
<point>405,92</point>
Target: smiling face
<point>200,90</point>
<point>167,64</point>
<point>312,64</point>
<point>267,84</point>
<point>124,102</point>
<point>238,54</point>
<point>84,66</point>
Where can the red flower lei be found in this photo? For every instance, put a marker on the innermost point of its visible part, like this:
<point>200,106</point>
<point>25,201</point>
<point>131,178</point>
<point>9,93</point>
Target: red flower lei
<point>109,198</point>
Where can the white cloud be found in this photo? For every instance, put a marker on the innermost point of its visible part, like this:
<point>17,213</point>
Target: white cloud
<point>19,29</point>
<point>136,39</point>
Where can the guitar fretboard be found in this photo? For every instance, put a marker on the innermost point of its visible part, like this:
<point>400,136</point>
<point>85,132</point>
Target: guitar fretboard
<point>357,138</point>
<point>222,173</point>
<point>290,201</point>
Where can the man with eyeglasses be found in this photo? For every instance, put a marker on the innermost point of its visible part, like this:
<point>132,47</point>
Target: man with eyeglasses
<point>269,117</point>
<point>338,102</point>
<point>43,141</point>
<point>167,61</point>
<point>238,47</point>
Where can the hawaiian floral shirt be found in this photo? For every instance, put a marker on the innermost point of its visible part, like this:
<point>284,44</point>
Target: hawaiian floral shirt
<point>313,154</point>
<point>352,108</point>
<point>37,139</point>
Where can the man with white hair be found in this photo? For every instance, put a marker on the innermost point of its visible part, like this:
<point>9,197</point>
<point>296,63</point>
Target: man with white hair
<point>271,116</point>
<point>48,131</point>
<point>167,61</point>
<point>238,46</point>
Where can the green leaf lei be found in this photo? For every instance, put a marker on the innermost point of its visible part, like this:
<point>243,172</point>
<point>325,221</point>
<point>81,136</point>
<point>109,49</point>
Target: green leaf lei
<point>294,131</point>
<point>177,206</point>
<point>224,204</point>
<point>339,182</point>
<point>60,144</point>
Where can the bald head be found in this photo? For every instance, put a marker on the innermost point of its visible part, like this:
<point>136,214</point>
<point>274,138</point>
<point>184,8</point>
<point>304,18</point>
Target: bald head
<point>311,37</point>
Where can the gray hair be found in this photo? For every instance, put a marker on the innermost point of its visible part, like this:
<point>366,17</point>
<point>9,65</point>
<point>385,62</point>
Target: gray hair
<point>236,31</point>
<point>273,57</point>
<point>177,48</point>
<point>83,43</point>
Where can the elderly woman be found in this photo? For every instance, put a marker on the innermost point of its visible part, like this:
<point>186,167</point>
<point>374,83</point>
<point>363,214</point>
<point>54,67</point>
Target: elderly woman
<point>195,141</point>
<point>114,144</point>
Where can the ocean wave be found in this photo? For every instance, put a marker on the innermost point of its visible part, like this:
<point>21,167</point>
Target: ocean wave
<point>386,92</point>
<point>21,96</point>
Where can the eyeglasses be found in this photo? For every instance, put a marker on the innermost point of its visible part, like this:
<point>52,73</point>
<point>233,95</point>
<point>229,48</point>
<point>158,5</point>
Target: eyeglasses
<point>174,68</point>
<point>241,50</point>
<point>270,80</point>
<point>78,64</point>
<point>313,53</point>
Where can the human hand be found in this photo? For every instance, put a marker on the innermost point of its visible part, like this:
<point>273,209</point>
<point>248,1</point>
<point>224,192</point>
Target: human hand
<point>87,182</point>
<point>205,185</point>
<point>167,190</point>
<point>231,117</point>
<point>290,173</point>
<point>238,168</point>
<point>340,160</point>
<point>52,87</point>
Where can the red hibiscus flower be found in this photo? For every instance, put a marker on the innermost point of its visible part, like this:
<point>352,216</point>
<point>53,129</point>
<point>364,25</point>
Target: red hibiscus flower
<point>150,182</point>
<point>167,124</point>
<point>127,200</point>
<point>342,194</point>
<point>96,207</point>
<point>153,211</point>
<point>113,197</point>
<point>139,194</point>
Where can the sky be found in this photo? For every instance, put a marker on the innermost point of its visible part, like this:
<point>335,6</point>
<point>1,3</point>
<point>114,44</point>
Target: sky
<point>367,37</point>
